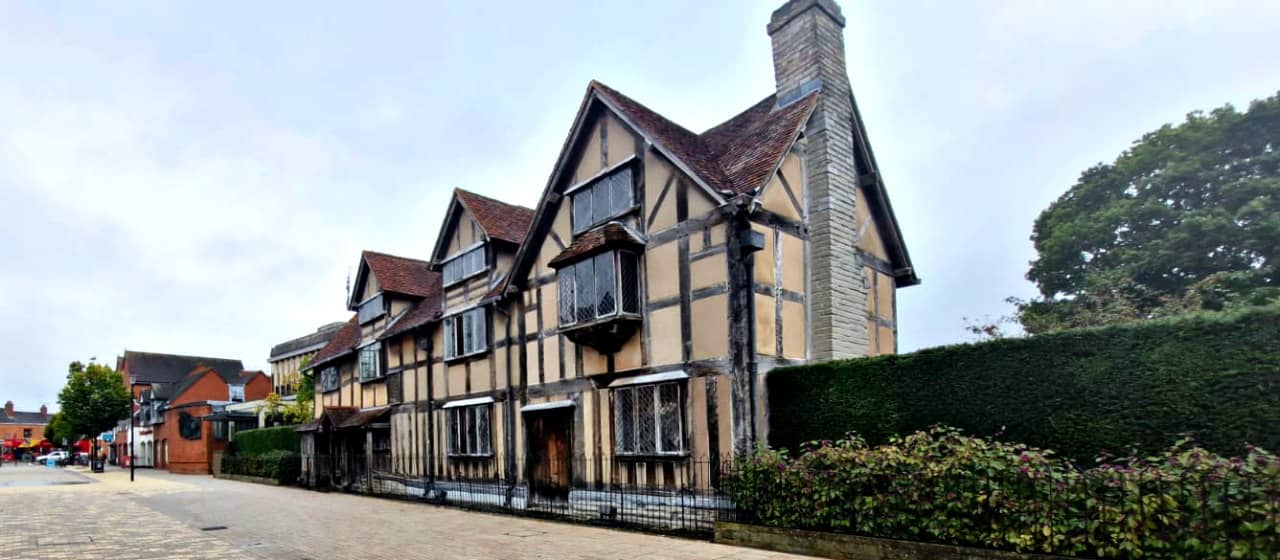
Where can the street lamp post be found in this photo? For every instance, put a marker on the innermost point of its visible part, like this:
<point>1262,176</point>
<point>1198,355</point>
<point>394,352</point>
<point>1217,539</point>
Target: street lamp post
<point>133,461</point>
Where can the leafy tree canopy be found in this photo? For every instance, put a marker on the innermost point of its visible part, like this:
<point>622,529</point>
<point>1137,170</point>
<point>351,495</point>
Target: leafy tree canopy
<point>56,430</point>
<point>93,400</point>
<point>1187,218</point>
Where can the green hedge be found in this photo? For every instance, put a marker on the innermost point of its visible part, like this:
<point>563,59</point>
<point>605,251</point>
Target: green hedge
<point>941,486</point>
<point>1214,376</point>
<point>278,465</point>
<point>263,440</point>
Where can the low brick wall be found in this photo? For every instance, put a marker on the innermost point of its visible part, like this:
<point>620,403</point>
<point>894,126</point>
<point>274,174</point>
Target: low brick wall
<point>852,547</point>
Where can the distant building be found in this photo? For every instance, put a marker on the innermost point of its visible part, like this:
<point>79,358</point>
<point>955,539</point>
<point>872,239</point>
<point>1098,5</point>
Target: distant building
<point>175,393</point>
<point>287,357</point>
<point>17,424</point>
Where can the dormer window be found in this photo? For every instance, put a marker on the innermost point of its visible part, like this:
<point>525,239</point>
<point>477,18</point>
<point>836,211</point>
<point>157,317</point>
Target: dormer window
<point>236,392</point>
<point>464,265</point>
<point>371,309</point>
<point>604,198</point>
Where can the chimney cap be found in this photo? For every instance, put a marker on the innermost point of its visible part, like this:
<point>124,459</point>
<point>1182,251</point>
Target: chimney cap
<point>793,8</point>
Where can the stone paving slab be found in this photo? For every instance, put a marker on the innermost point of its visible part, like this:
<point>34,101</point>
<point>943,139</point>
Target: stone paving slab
<point>160,516</point>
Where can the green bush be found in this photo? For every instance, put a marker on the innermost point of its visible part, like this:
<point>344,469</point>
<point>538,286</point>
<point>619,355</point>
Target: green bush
<point>278,465</point>
<point>263,440</point>
<point>1140,386</point>
<point>944,487</point>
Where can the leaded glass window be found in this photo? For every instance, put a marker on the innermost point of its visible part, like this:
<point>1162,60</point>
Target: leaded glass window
<point>462,266</point>
<point>607,197</point>
<point>648,420</point>
<point>465,333</point>
<point>469,431</point>
<point>592,288</point>
<point>371,361</point>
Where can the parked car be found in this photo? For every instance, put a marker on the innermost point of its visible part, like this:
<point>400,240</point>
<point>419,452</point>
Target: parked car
<point>58,457</point>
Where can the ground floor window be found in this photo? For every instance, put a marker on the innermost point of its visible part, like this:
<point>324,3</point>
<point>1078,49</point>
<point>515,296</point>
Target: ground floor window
<point>648,420</point>
<point>469,431</point>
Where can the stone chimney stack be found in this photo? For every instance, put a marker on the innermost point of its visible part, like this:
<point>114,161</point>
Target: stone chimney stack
<point>808,55</point>
<point>44,411</point>
<point>8,409</point>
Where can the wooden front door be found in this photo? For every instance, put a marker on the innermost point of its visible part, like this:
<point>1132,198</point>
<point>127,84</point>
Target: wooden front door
<point>550,462</point>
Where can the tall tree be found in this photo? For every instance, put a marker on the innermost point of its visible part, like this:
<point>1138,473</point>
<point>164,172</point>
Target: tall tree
<point>1187,218</point>
<point>93,400</point>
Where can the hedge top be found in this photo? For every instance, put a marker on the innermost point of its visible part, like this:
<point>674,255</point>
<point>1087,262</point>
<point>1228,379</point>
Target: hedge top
<point>1140,386</point>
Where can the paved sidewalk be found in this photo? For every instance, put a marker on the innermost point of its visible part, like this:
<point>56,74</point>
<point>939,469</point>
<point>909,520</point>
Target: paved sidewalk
<point>161,516</point>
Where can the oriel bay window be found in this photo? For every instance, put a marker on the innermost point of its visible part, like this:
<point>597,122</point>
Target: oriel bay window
<point>469,431</point>
<point>606,197</point>
<point>465,334</point>
<point>599,287</point>
<point>370,361</point>
<point>648,420</point>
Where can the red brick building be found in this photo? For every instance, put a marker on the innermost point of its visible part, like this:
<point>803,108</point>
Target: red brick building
<point>175,393</point>
<point>184,441</point>
<point>21,428</point>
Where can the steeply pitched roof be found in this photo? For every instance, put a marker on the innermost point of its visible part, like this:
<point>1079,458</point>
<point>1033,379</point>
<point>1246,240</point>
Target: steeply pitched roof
<point>401,275</point>
<point>502,221</point>
<point>734,157</point>
<point>423,311</point>
<point>149,367</point>
<point>318,338</point>
<point>342,343</point>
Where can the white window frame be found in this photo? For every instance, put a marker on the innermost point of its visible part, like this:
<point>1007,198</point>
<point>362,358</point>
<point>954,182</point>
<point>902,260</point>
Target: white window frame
<point>235,393</point>
<point>568,317</point>
<point>659,421</point>
<point>587,194</point>
<point>375,349</point>
<point>464,264</point>
<point>468,418</point>
<point>455,335</point>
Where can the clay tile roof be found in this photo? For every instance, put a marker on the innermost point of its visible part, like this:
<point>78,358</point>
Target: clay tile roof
<point>734,157</point>
<point>340,345</point>
<point>502,221</point>
<point>402,275</point>
<point>612,234</point>
<point>750,145</point>
<point>423,311</point>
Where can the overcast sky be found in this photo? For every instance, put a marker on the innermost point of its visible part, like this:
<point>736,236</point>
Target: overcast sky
<point>199,178</point>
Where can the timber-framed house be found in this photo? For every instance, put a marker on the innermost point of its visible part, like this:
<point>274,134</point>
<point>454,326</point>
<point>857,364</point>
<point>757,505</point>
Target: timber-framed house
<point>619,333</point>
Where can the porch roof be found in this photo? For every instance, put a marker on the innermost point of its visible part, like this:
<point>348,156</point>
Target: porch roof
<point>360,418</point>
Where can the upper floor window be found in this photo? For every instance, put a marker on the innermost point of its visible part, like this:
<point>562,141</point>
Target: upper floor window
<point>26,433</point>
<point>328,379</point>
<point>463,265</point>
<point>371,361</point>
<point>605,198</point>
<point>235,392</point>
<point>465,333</point>
<point>371,309</point>
<point>469,431</point>
<point>648,420</point>
<point>599,287</point>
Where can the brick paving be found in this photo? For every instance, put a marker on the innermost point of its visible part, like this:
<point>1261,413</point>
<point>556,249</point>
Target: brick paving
<point>161,516</point>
